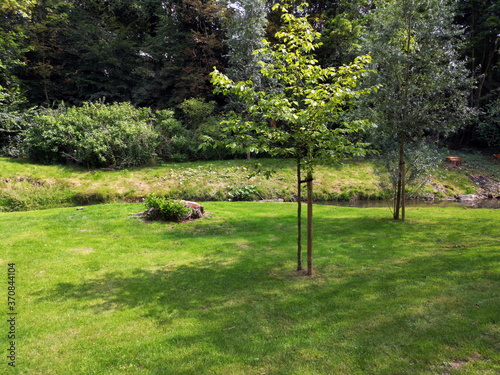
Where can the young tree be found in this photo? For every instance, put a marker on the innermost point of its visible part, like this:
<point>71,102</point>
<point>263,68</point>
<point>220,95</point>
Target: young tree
<point>306,118</point>
<point>424,83</point>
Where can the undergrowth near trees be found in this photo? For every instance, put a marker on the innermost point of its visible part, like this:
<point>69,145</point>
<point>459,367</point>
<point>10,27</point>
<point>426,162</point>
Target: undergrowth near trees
<point>95,135</point>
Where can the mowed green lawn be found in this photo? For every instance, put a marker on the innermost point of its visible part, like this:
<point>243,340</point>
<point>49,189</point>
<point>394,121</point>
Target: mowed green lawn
<point>99,291</point>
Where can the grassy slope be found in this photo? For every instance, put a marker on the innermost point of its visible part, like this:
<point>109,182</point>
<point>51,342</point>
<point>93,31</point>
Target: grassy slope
<point>26,186</point>
<point>101,292</point>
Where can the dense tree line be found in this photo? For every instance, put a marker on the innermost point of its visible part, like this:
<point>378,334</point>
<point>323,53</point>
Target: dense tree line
<point>151,53</point>
<point>159,53</point>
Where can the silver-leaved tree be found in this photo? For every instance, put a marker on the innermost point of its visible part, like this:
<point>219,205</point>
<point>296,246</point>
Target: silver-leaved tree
<point>424,84</point>
<point>305,116</point>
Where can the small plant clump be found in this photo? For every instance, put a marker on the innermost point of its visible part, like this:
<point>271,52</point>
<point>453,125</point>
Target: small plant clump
<point>161,208</point>
<point>243,193</point>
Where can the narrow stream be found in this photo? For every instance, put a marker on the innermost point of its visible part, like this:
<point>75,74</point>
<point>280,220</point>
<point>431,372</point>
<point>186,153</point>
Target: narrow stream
<point>484,203</point>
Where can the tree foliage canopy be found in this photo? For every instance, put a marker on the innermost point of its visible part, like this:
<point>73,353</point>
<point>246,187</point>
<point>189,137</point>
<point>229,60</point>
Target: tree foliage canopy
<point>424,82</point>
<point>159,53</point>
<point>310,101</point>
<point>305,116</point>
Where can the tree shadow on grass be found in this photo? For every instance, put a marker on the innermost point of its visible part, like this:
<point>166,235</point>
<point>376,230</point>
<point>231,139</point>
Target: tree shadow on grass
<point>400,315</point>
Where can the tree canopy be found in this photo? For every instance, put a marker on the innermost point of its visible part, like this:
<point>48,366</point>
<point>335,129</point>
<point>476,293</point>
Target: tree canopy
<point>424,83</point>
<point>158,53</point>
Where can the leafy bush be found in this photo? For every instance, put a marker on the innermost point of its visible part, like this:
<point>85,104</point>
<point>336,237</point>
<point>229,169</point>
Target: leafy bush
<point>201,120</point>
<point>196,112</point>
<point>421,160</point>
<point>14,120</point>
<point>182,141</point>
<point>161,208</point>
<point>176,142</point>
<point>95,135</point>
<point>243,193</point>
<point>12,145</point>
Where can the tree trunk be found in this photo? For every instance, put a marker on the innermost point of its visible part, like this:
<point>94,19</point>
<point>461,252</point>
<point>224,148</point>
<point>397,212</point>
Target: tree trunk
<point>403,191</point>
<point>310,271</point>
<point>402,168</point>
<point>299,217</point>
<point>400,193</point>
<point>397,201</point>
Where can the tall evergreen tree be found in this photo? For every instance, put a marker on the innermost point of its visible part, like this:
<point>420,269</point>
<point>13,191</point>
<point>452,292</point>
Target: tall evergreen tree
<point>14,15</point>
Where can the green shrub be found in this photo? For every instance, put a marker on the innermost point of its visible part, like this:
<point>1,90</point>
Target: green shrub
<point>243,193</point>
<point>161,208</point>
<point>14,120</point>
<point>182,141</point>
<point>421,158</point>
<point>212,129</point>
<point>196,111</point>
<point>176,142</point>
<point>95,135</point>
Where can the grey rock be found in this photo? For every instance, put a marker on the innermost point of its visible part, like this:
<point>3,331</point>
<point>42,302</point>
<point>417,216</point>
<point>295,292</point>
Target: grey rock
<point>469,197</point>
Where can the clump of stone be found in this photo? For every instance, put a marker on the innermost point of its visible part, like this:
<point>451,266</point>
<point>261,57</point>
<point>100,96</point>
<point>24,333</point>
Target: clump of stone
<point>488,188</point>
<point>197,210</point>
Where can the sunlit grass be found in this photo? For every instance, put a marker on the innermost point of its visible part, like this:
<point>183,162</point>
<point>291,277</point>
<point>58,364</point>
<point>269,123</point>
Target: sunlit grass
<point>25,186</point>
<point>102,292</point>
<point>214,180</point>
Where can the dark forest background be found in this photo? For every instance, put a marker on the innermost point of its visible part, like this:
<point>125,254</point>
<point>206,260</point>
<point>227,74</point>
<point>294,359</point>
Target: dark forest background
<point>159,54</point>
